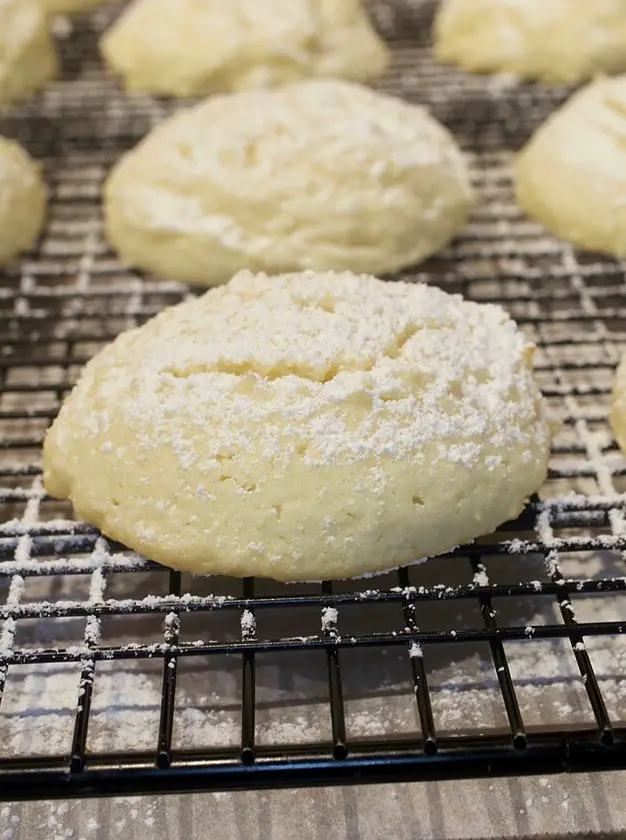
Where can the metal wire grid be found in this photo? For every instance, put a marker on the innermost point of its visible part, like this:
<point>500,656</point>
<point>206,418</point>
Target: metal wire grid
<point>70,295</point>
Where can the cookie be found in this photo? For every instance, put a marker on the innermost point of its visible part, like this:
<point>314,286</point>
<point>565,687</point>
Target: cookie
<point>321,175</point>
<point>28,58</point>
<point>22,200</point>
<point>304,427</point>
<point>197,47</point>
<point>571,176</point>
<point>548,40</point>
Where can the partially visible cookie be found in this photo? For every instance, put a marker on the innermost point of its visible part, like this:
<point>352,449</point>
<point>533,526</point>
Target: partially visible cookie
<point>324,175</point>
<point>22,200</point>
<point>28,58</point>
<point>197,47</point>
<point>571,176</point>
<point>548,40</point>
<point>303,427</point>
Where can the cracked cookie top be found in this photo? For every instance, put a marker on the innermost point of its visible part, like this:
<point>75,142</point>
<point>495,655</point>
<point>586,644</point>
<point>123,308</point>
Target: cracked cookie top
<point>345,385</point>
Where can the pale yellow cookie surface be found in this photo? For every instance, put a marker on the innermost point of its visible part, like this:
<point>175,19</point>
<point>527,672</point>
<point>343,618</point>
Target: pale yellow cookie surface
<point>303,427</point>
<point>321,175</point>
<point>196,47</point>
<point>28,59</point>
<point>22,200</point>
<point>548,40</point>
<point>571,176</point>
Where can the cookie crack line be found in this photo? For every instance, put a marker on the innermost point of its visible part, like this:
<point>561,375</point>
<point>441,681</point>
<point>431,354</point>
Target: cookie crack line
<point>243,369</point>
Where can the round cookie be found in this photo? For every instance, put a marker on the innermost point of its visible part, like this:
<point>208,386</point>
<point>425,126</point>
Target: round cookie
<point>571,176</point>
<point>303,427</point>
<point>28,59</point>
<point>197,47</point>
<point>549,40</point>
<point>319,175</point>
<point>22,200</point>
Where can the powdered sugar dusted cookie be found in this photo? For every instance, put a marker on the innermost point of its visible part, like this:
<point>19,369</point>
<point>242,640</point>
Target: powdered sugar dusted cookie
<point>571,176</point>
<point>321,175</point>
<point>302,427</point>
<point>28,57</point>
<point>550,40</point>
<point>22,200</point>
<point>197,47</point>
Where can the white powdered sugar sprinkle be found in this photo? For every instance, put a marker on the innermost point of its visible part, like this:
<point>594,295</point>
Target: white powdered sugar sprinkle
<point>353,368</point>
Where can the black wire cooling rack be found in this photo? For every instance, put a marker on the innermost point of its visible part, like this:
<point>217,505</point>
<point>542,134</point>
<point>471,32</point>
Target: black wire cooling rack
<point>504,657</point>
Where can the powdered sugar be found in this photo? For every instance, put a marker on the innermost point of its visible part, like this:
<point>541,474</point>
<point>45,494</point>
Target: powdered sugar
<point>415,651</point>
<point>248,625</point>
<point>326,359</point>
<point>329,620</point>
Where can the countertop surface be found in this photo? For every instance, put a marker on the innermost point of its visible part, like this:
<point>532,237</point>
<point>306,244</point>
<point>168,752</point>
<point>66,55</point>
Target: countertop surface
<point>556,806</point>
